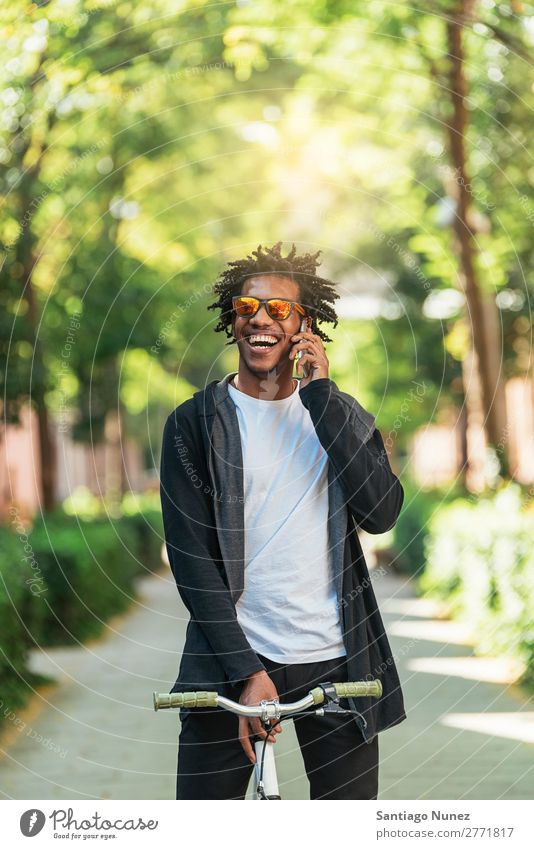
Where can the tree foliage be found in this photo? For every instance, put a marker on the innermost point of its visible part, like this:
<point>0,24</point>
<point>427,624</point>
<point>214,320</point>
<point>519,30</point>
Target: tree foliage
<point>142,148</point>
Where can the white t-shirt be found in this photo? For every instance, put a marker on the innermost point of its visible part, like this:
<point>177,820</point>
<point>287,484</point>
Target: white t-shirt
<point>288,608</point>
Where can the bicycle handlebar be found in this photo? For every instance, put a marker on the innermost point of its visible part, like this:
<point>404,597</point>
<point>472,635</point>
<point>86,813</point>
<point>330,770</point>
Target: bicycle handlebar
<point>352,689</point>
<point>349,689</point>
<point>186,700</point>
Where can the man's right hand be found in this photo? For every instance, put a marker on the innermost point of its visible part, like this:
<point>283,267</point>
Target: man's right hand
<point>257,687</point>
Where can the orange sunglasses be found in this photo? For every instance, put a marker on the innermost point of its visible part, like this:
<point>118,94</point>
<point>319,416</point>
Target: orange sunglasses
<point>277,308</point>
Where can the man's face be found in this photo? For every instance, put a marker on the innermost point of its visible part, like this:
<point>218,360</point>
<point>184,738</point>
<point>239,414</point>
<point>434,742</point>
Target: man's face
<point>262,360</point>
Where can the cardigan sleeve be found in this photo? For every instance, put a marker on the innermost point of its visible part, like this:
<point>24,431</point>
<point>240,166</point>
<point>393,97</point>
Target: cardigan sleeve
<point>374,495</point>
<point>188,522</point>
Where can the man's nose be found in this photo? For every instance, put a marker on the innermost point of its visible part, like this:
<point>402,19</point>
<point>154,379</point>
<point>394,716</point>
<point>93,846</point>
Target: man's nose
<point>262,315</point>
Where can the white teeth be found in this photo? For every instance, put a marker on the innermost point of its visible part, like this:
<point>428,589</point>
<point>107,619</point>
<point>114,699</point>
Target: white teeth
<point>262,339</point>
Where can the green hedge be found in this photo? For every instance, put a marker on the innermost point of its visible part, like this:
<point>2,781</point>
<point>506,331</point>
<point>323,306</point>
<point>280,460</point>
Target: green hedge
<point>89,569</point>
<point>21,613</point>
<point>480,561</point>
<point>143,513</point>
<point>76,574</point>
<point>412,527</point>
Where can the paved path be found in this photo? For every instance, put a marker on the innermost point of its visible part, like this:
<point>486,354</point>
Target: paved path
<point>465,737</point>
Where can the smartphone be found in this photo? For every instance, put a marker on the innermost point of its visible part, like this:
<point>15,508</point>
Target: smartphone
<point>305,368</point>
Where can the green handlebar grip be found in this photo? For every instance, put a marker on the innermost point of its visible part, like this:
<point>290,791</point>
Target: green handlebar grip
<point>359,688</point>
<point>318,695</point>
<point>184,700</point>
<point>350,689</point>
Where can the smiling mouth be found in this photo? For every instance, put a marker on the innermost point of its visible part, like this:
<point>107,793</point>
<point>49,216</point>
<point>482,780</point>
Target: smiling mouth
<point>261,346</point>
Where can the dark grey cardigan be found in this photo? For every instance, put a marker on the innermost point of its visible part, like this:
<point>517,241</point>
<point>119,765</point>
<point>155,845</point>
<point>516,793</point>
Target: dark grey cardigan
<point>201,476</point>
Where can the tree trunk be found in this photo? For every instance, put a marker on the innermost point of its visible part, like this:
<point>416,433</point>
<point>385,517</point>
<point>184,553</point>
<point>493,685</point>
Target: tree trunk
<point>475,471</point>
<point>47,446</point>
<point>114,461</point>
<point>464,452</point>
<point>26,256</point>
<point>485,333</point>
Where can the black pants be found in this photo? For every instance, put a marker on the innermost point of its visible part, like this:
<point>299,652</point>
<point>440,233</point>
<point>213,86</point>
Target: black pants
<point>338,763</point>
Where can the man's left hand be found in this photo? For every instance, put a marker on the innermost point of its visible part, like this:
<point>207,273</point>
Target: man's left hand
<point>313,353</point>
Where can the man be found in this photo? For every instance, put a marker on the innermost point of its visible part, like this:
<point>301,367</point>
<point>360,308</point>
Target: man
<point>264,482</point>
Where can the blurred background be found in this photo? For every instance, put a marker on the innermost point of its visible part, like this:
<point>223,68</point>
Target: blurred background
<point>143,147</point>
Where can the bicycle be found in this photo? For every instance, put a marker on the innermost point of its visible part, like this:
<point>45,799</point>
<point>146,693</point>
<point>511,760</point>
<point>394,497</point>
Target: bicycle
<point>271,712</point>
